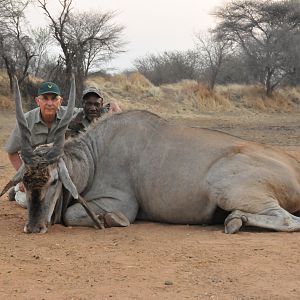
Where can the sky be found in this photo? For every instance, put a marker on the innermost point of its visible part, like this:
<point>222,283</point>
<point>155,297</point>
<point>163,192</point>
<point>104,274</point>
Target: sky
<point>151,27</point>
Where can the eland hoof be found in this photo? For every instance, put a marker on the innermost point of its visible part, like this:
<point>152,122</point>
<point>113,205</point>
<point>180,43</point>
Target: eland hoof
<point>116,219</point>
<point>234,222</point>
<point>233,225</point>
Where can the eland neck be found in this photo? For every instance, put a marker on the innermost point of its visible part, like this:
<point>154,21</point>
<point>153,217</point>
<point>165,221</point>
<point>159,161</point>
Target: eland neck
<point>79,162</point>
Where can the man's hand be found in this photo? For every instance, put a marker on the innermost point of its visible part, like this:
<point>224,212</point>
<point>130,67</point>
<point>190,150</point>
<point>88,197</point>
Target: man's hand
<point>21,187</point>
<point>114,107</point>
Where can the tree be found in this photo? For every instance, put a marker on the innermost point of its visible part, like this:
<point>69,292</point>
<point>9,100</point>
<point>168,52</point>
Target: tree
<point>262,29</point>
<point>293,56</point>
<point>212,53</point>
<point>94,37</point>
<point>168,67</point>
<point>86,39</point>
<point>15,44</point>
<point>41,39</point>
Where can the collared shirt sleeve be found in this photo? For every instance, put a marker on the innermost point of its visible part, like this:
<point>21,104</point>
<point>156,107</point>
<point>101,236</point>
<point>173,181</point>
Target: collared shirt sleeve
<point>13,144</point>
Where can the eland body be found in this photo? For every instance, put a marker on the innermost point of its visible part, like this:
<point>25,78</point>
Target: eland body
<point>137,165</point>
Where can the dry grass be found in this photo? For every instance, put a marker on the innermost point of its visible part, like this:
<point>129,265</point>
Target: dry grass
<point>292,94</point>
<point>253,97</point>
<point>131,91</point>
<point>6,103</point>
<point>6,99</point>
<point>134,91</point>
<point>34,80</point>
<point>197,97</point>
<point>5,96</point>
<point>189,97</point>
<point>4,84</point>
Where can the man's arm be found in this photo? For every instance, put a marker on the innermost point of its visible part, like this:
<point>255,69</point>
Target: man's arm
<point>12,147</point>
<point>15,160</point>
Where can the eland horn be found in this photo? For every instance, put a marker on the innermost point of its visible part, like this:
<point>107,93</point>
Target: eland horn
<point>59,139</point>
<point>26,148</point>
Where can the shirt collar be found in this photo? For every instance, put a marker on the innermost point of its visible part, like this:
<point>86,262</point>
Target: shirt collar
<point>86,123</point>
<point>37,116</point>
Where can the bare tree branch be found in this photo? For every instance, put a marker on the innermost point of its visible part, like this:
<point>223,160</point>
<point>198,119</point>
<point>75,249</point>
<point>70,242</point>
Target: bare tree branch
<point>259,28</point>
<point>85,39</point>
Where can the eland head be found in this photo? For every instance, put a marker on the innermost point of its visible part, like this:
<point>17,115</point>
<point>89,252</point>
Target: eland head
<point>43,172</point>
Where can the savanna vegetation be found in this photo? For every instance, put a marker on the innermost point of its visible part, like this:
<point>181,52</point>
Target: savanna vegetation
<point>253,42</point>
<point>249,60</point>
<point>186,97</point>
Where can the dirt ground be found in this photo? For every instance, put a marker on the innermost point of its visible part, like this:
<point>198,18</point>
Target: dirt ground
<point>148,260</point>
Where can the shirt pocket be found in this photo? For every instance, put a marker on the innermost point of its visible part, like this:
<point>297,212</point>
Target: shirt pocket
<point>39,135</point>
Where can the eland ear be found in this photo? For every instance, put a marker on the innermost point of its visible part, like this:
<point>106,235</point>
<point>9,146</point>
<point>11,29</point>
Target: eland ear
<point>15,180</point>
<point>66,179</point>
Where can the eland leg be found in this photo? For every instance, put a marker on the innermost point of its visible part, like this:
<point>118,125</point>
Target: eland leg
<point>251,204</point>
<point>112,212</point>
<point>279,220</point>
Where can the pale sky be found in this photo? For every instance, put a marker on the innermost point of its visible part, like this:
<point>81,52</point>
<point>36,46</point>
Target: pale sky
<point>150,26</point>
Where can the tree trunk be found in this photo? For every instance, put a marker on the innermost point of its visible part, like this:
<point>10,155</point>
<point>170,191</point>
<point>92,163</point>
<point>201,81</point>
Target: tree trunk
<point>79,87</point>
<point>73,67</point>
<point>67,85</point>
<point>213,79</point>
<point>10,73</point>
<point>268,84</point>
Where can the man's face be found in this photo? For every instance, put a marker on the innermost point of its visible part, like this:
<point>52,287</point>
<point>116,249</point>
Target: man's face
<point>49,104</point>
<point>92,106</point>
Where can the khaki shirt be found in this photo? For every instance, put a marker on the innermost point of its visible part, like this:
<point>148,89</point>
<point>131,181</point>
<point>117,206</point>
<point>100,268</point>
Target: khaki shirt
<point>80,123</point>
<point>40,133</point>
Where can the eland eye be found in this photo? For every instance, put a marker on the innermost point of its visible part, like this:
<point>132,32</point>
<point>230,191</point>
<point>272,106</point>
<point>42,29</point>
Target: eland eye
<point>54,182</point>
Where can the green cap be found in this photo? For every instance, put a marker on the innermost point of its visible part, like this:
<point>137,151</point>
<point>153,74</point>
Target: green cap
<point>48,88</point>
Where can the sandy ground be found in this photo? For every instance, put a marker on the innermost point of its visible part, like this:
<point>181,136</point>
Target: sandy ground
<point>148,260</point>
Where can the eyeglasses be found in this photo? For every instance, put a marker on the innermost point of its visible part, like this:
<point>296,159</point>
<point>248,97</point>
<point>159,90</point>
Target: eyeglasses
<point>45,98</point>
